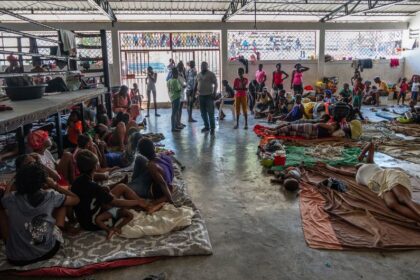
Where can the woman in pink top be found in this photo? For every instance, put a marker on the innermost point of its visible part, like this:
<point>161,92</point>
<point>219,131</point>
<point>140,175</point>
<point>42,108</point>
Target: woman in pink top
<point>260,77</point>
<point>297,78</point>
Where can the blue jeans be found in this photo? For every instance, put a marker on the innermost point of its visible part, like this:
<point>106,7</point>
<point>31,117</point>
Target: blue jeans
<point>175,110</point>
<point>207,111</point>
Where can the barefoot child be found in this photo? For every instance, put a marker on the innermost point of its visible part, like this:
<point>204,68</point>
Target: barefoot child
<point>120,217</point>
<point>240,85</point>
<point>403,91</point>
<point>94,198</point>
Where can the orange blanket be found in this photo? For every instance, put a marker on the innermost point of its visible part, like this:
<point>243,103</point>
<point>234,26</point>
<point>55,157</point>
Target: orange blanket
<point>357,219</point>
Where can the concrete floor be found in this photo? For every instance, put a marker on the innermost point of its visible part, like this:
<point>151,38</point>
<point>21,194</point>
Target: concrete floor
<point>255,227</point>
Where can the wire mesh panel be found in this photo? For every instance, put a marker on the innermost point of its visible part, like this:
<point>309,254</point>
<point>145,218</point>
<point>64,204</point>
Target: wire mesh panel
<point>91,46</point>
<point>354,44</point>
<point>144,40</point>
<point>272,45</point>
<point>195,40</point>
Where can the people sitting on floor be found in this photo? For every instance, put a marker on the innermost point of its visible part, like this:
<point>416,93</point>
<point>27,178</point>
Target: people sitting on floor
<point>296,113</point>
<point>319,107</point>
<point>329,97</point>
<point>305,130</point>
<point>279,112</point>
<point>264,104</point>
<point>122,103</point>
<point>95,199</point>
<point>383,90</point>
<point>228,93</point>
<point>252,95</point>
<point>102,116</point>
<point>62,170</point>
<point>390,184</point>
<point>152,174</point>
<point>75,127</point>
<point>345,94</point>
<point>36,214</point>
<point>370,96</point>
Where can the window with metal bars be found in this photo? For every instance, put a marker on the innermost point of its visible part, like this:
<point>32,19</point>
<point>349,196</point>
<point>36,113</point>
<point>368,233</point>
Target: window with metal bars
<point>272,45</point>
<point>373,44</point>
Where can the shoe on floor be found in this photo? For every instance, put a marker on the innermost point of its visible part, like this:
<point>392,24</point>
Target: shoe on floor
<point>212,131</point>
<point>157,115</point>
<point>176,130</point>
<point>192,120</point>
<point>205,129</point>
<point>147,116</point>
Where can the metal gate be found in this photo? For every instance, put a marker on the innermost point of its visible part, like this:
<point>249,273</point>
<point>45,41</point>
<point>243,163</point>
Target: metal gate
<point>134,68</point>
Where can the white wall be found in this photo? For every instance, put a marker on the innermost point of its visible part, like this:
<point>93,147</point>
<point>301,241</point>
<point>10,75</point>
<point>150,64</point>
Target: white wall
<point>269,66</point>
<point>412,65</point>
<point>381,68</point>
<point>340,69</point>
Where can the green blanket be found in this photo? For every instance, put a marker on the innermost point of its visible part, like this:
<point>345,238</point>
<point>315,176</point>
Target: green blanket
<point>295,155</point>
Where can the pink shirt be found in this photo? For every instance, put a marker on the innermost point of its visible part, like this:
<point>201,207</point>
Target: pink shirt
<point>298,78</point>
<point>260,76</point>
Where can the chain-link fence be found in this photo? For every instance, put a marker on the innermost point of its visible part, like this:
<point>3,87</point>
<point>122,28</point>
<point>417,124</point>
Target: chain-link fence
<point>87,47</point>
<point>372,44</point>
<point>272,45</point>
<point>145,41</point>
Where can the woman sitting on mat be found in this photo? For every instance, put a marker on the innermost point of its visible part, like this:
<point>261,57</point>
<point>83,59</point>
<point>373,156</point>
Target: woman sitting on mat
<point>305,130</point>
<point>60,171</point>
<point>392,185</point>
<point>35,216</point>
<point>153,173</point>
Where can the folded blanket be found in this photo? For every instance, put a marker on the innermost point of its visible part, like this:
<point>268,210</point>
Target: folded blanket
<point>158,223</point>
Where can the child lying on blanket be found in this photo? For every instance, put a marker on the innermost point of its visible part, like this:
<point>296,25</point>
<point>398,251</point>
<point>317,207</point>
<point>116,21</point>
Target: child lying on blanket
<point>392,185</point>
<point>94,199</point>
<point>35,213</point>
<point>290,178</point>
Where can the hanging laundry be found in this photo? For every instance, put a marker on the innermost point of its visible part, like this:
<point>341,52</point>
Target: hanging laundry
<point>394,62</point>
<point>68,39</point>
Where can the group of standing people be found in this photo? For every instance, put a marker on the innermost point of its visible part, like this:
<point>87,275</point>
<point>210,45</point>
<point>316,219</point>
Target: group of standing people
<point>248,94</point>
<point>191,83</point>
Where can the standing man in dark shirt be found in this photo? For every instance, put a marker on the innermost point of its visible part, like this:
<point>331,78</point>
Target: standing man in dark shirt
<point>206,87</point>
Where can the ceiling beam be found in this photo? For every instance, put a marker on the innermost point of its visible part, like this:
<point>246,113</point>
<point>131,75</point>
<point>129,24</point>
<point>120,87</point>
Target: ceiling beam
<point>104,7</point>
<point>235,7</point>
<point>349,8</point>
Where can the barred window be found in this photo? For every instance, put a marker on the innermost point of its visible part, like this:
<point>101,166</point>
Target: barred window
<point>195,40</point>
<point>144,40</point>
<point>372,44</point>
<point>272,45</point>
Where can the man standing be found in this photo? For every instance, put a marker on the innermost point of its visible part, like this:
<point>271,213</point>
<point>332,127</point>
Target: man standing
<point>191,76</point>
<point>206,86</point>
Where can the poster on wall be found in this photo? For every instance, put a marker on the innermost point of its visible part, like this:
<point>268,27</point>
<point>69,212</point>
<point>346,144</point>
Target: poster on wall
<point>272,45</point>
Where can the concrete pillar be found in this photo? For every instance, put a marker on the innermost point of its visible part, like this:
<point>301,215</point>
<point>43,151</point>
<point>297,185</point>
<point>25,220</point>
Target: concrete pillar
<point>115,67</point>
<point>321,52</point>
<point>224,52</point>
